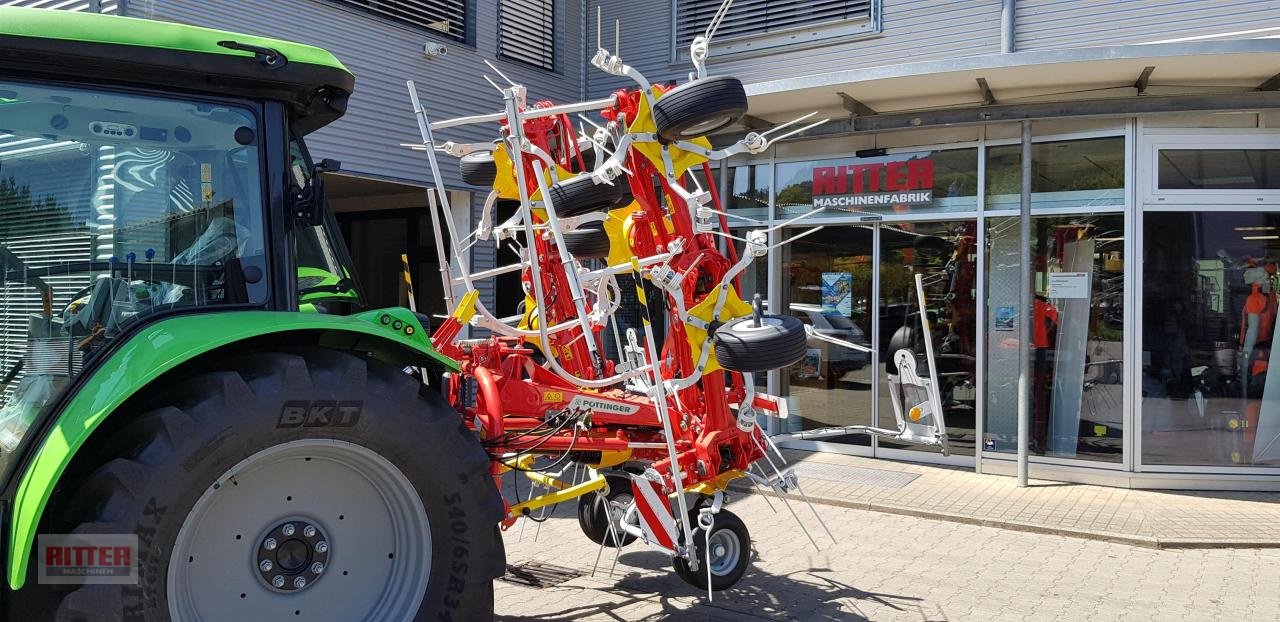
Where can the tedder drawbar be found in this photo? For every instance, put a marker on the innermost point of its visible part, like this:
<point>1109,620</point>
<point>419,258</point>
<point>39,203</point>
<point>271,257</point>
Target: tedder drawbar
<point>662,419</point>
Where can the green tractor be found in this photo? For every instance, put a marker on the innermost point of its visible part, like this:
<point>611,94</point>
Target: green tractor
<point>184,362</point>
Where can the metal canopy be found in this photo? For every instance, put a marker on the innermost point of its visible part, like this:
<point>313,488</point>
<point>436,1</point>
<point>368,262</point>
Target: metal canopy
<point>1198,68</point>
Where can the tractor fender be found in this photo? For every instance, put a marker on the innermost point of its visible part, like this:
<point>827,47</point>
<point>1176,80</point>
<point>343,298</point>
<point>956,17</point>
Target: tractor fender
<point>394,335</point>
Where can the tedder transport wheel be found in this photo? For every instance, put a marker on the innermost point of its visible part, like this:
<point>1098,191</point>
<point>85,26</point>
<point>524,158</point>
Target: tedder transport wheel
<point>779,341</point>
<point>730,554</point>
<point>699,107</point>
<point>312,485</point>
<point>478,169</point>
<point>588,241</point>
<point>591,514</point>
<point>580,195</point>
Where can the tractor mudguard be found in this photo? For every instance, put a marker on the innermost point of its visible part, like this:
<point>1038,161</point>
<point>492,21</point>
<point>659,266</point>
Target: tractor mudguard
<point>391,334</point>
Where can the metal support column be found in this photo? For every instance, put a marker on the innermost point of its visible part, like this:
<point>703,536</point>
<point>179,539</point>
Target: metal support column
<point>1026,313</point>
<point>1007,26</point>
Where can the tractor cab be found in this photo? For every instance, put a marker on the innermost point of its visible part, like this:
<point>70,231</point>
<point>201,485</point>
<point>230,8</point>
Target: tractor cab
<point>138,183</point>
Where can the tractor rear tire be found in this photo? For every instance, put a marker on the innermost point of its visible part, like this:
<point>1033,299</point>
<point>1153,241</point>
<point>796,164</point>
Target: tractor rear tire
<point>779,341</point>
<point>591,515</point>
<point>699,108</point>
<point>581,195</point>
<point>478,169</point>
<point>235,475</point>
<point>730,554</point>
<point>588,241</point>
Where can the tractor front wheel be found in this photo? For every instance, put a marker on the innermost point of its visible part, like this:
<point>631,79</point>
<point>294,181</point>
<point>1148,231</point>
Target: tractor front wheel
<point>311,485</point>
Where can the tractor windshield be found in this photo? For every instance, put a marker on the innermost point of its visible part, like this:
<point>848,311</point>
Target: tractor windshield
<point>114,207</point>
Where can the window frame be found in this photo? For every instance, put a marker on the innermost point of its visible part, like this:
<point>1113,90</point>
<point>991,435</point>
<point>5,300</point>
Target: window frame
<point>468,20</point>
<point>1152,197</point>
<point>796,37</point>
<point>553,52</point>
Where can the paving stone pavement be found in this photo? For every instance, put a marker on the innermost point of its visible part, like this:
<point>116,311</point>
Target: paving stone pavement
<point>895,567</point>
<point>1162,519</point>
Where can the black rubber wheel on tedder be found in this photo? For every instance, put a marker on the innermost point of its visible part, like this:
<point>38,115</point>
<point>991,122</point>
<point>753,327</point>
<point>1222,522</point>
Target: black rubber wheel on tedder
<point>581,195</point>
<point>730,553</point>
<point>588,241</point>
<point>779,341</point>
<point>591,512</point>
<point>304,483</point>
<point>478,169</point>
<point>700,107</point>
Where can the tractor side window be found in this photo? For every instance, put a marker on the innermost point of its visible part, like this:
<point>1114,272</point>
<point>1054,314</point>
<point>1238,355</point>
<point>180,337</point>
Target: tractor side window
<point>326,281</point>
<point>113,208</point>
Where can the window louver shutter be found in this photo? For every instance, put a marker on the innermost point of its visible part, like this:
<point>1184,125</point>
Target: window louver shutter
<point>756,17</point>
<point>448,17</point>
<point>528,32</point>
<point>101,6</point>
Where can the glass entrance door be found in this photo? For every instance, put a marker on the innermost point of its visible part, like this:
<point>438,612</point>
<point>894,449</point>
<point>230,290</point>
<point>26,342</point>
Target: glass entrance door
<point>857,283</point>
<point>945,255</point>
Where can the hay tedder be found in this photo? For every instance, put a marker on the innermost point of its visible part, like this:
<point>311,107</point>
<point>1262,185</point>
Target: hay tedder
<point>648,439</point>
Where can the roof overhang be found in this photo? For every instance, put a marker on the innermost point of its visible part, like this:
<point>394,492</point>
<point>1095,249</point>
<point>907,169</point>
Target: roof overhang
<point>1036,77</point>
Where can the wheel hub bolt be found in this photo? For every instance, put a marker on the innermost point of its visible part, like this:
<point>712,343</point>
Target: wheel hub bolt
<point>719,551</point>
<point>292,556</point>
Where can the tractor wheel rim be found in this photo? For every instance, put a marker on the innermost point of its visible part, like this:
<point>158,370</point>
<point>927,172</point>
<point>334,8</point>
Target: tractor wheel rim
<point>343,530</point>
<point>725,551</point>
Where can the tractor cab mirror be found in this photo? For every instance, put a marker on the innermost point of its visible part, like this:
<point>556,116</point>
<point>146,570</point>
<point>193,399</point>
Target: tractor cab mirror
<point>309,200</point>
<point>328,165</point>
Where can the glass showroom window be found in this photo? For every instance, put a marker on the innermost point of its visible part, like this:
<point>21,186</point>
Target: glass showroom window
<point>1209,314</point>
<point>1077,174</point>
<point>747,192</point>
<point>921,182</point>
<point>1077,336</point>
<point>826,280</point>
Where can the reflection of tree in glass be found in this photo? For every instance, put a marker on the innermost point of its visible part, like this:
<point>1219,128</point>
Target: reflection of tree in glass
<point>19,210</point>
<point>796,194</point>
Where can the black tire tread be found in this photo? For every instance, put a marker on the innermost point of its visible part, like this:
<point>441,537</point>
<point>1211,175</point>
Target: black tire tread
<point>591,515</point>
<point>766,350</point>
<point>588,241</point>
<point>580,195</point>
<point>478,169</point>
<point>698,579</point>
<point>695,102</point>
<point>143,452</point>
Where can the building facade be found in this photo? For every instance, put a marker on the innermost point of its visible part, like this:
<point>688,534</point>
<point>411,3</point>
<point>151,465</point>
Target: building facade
<point>1155,197</point>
